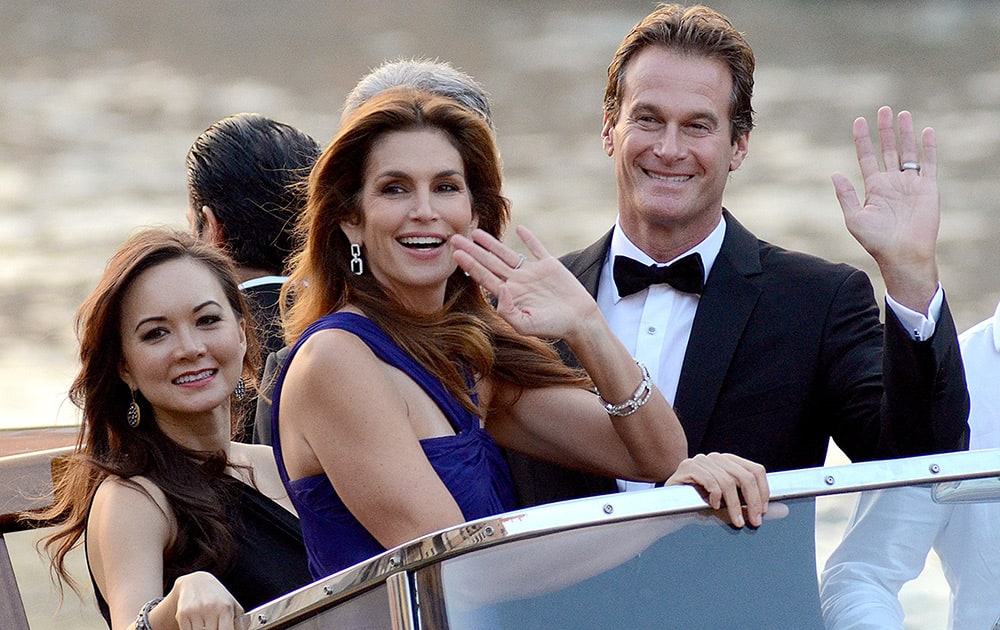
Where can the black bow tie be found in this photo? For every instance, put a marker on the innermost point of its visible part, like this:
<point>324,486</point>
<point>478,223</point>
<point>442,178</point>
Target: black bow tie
<point>686,274</point>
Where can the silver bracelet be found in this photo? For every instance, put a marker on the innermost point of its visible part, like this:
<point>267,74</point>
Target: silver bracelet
<point>638,399</point>
<point>142,621</point>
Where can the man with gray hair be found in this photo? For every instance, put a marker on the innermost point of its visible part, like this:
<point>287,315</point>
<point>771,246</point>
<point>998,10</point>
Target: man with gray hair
<point>437,77</point>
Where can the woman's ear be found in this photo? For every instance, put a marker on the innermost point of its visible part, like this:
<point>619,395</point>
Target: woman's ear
<point>125,375</point>
<point>243,334</point>
<point>353,230</point>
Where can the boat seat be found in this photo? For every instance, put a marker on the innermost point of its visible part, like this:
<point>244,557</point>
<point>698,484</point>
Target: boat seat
<point>25,485</point>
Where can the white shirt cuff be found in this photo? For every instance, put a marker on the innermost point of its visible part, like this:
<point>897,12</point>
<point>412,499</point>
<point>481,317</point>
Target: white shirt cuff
<point>919,326</point>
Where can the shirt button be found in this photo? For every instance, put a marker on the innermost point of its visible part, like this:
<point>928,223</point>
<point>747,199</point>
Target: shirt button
<point>651,330</point>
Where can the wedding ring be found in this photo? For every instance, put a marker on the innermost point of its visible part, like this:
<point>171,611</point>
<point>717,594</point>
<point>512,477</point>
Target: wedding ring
<point>910,166</point>
<point>520,261</point>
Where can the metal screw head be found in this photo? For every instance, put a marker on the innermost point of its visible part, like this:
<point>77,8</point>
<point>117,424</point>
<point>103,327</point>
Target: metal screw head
<point>935,469</point>
<point>608,508</point>
<point>328,590</point>
<point>261,619</point>
<point>830,480</point>
<point>488,530</point>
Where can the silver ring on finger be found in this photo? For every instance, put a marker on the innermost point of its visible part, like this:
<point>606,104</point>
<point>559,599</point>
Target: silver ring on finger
<point>910,166</point>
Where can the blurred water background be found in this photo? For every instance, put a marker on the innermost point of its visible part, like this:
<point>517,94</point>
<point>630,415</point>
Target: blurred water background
<point>100,100</point>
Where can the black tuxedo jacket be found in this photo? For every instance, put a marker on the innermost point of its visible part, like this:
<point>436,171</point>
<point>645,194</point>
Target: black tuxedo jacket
<point>263,301</point>
<point>787,351</point>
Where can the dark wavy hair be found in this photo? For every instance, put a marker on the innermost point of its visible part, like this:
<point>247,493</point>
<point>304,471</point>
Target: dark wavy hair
<point>195,483</point>
<point>467,334</point>
<point>249,170</point>
<point>695,30</point>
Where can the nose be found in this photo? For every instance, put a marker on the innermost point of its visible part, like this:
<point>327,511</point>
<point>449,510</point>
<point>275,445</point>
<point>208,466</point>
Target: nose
<point>189,343</point>
<point>423,207</point>
<point>670,145</point>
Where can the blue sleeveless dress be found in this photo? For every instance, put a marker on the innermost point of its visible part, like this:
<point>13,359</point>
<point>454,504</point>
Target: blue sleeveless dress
<point>470,463</point>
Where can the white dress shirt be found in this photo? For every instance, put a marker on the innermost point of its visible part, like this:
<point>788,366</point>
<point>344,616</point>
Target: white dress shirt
<point>655,323</point>
<point>891,531</point>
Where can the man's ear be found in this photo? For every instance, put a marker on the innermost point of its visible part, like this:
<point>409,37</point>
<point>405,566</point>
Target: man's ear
<point>741,146</point>
<point>214,232</point>
<point>607,135</point>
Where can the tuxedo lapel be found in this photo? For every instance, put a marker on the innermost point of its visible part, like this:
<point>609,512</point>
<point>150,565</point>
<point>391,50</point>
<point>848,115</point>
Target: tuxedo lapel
<point>723,312</point>
<point>586,263</point>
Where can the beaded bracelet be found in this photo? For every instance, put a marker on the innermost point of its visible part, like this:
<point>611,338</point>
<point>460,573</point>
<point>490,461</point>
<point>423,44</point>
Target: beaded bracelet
<point>142,621</point>
<point>638,399</point>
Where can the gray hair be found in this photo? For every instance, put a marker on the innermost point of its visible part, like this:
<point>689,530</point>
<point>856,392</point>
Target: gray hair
<point>437,77</point>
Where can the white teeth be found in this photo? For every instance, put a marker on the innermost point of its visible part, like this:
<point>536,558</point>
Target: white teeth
<point>671,178</point>
<point>421,241</point>
<point>190,378</point>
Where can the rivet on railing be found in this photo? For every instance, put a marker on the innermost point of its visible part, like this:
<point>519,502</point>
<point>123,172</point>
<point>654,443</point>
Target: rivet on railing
<point>488,530</point>
<point>394,561</point>
<point>830,480</point>
<point>261,619</point>
<point>935,469</point>
<point>328,590</point>
<point>608,508</point>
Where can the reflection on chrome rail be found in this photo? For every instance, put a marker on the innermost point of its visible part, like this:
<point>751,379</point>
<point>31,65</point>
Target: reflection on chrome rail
<point>655,558</point>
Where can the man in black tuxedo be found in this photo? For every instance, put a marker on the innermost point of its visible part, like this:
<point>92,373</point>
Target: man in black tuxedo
<point>764,352</point>
<point>243,176</point>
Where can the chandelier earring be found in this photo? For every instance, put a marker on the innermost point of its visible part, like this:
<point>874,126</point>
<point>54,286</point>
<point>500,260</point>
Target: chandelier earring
<point>357,265</point>
<point>133,413</point>
<point>241,389</point>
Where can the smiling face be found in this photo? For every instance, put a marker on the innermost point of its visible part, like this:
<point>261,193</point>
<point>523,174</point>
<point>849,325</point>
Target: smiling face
<point>672,149</point>
<point>414,197</point>
<point>182,343</point>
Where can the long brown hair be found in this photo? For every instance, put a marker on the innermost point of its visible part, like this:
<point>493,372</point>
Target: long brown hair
<point>195,484</point>
<point>467,335</point>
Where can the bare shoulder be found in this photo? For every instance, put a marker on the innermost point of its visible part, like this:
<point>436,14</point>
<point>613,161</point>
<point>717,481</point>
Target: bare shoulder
<point>119,503</point>
<point>331,349</point>
<point>330,366</point>
<point>134,492</point>
<point>258,457</point>
<point>252,453</point>
<point>260,460</point>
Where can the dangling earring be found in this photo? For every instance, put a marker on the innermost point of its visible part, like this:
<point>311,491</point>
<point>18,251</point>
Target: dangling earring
<point>132,415</point>
<point>241,389</point>
<point>357,265</point>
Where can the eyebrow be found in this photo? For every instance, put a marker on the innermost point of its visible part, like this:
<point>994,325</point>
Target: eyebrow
<point>160,318</point>
<point>404,175</point>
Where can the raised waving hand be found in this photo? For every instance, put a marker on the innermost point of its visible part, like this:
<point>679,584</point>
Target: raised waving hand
<point>899,219</point>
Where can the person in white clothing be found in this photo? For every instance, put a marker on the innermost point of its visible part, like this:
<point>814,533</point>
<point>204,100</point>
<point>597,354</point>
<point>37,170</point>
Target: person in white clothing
<point>888,538</point>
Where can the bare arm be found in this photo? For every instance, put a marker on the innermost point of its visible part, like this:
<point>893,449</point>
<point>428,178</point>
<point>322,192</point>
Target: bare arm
<point>126,534</point>
<point>360,429</point>
<point>542,298</point>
